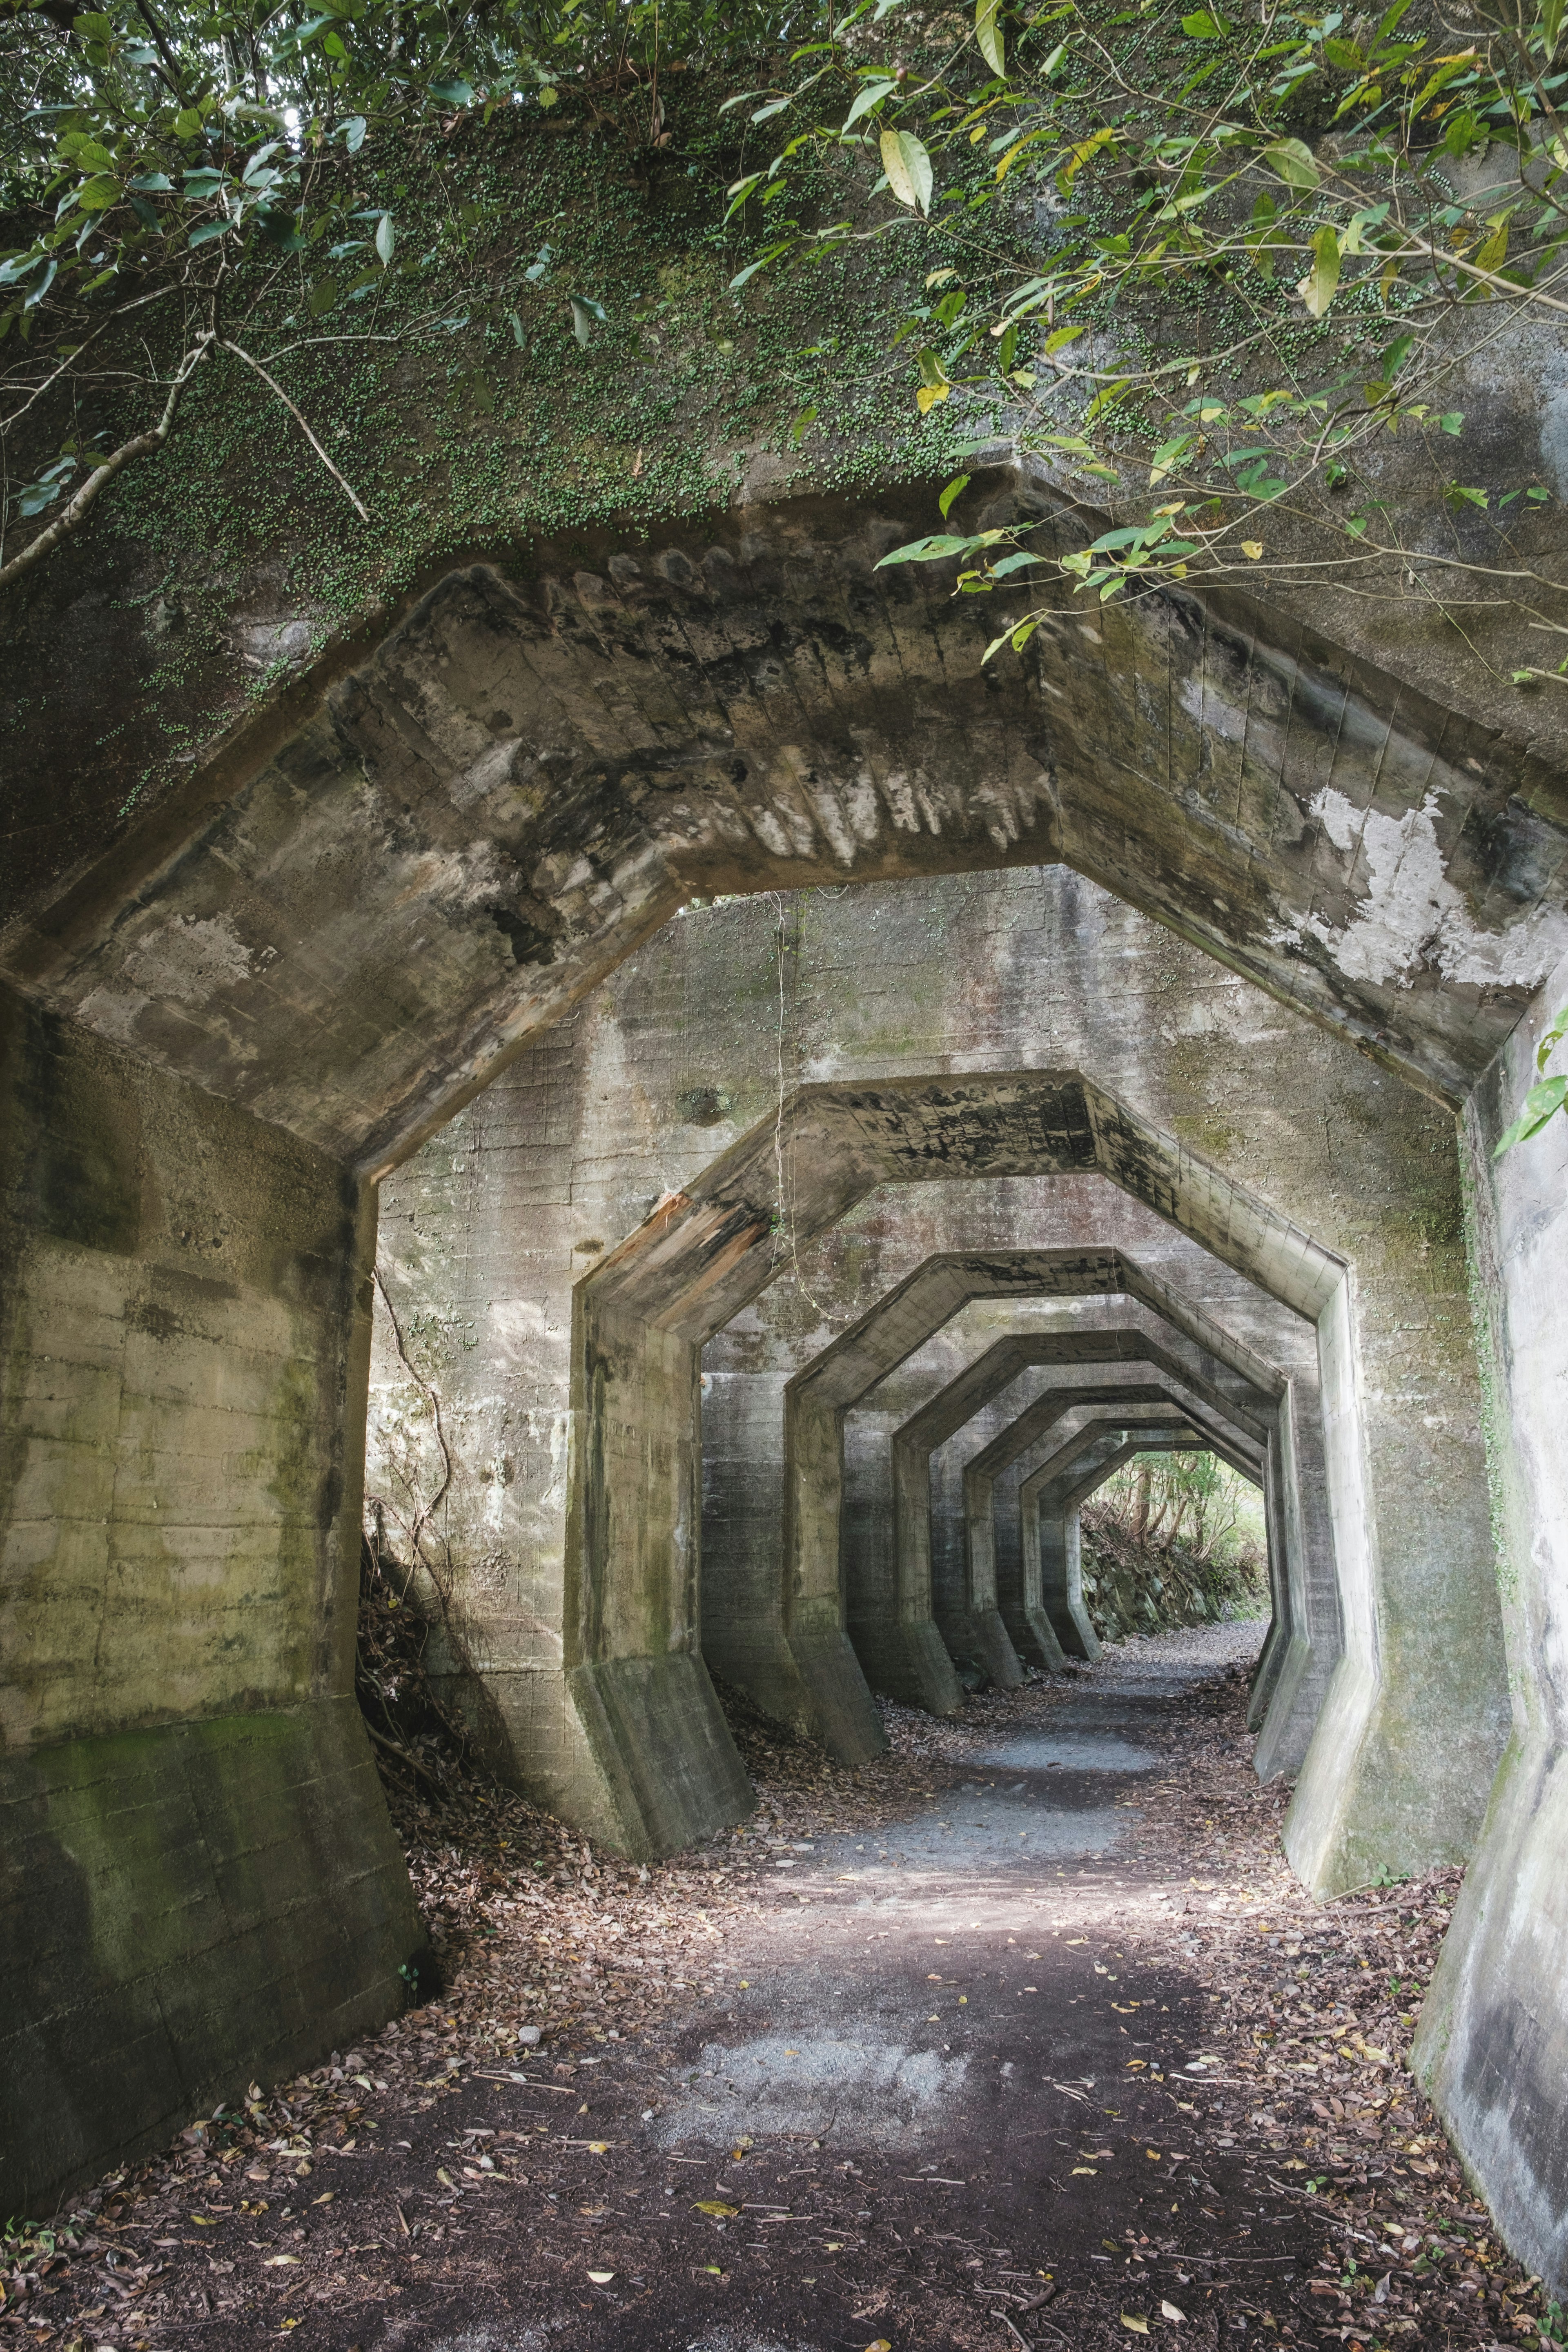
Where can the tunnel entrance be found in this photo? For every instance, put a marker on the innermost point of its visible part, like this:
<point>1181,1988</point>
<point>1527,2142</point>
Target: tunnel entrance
<point>221,1049</point>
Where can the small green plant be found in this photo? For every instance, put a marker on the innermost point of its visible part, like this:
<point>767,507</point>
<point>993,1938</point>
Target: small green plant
<point>1546,1098</point>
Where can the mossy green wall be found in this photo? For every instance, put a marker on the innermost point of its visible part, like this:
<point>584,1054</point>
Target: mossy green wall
<point>199,1882</point>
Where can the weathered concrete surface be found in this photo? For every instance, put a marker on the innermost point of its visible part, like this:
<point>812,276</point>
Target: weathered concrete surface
<point>198,1881</point>
<point>1034,1448</point>
<point>887,1588</point>
<point>707,1251</point>
<point>347,929</point>
<point>1493,2044</point>
<point>488,1231</point>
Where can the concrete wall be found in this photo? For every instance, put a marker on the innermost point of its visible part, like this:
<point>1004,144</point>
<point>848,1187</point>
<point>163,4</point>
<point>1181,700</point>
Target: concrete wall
<point>198,1880</point>
<point>678,1056</point>
<point>1493,2044</point>
<point>886,1550</point>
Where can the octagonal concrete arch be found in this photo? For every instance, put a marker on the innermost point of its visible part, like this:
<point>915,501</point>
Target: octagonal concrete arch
<point>1054,1560</point>
<point>332,934</point>
<point>633,1699</point>
<point>1004,1626</point>
<point>422,852</point>
<point>1051,1569</point>
<point>889,1613</point>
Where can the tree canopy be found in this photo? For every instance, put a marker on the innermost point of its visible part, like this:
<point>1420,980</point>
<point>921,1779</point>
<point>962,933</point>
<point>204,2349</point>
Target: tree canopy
<point>1226,280</point>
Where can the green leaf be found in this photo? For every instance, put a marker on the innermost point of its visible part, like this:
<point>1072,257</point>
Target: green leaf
<point>951,494</point>
<point>1552,1039</point>
<point>453,93</point>
<point>1293,161</point>
<point>515,323</point>
<point>1168,457</point>
<point>150,184</point>
<point>872,95</point>
<point>187,122</point>
<point>321,297</point>
<point>928,551</point>
<point>1060,340</point>
<point>908,167</point>
<point>1202,26</point>
<point>385,240</point>
<point>353,132</point>
<point>1316,288</point>
<point>207,231</point>
<point>586,314</point>
<point>96,195</point>
<point>1017,639</point>
<point>1541,1104</point>
<point>1453,422</point>
<point>989,36</point>
<point>36,495</point>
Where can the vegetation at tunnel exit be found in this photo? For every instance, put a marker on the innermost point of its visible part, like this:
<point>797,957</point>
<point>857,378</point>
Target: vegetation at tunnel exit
<point>1173,1540</point>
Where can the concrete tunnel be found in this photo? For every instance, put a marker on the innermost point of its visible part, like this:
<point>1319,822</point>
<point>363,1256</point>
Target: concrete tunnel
<point>869,1131</point>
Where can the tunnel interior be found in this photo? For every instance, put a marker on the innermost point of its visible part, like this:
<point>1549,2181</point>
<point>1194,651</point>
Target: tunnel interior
<point>923,1099</point>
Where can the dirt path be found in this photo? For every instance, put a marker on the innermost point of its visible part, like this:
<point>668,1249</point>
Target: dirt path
<point>1041,2043</point>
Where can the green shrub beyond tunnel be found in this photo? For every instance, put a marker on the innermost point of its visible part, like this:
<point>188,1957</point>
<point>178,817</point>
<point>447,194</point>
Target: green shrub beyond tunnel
<point>1173,1539</point>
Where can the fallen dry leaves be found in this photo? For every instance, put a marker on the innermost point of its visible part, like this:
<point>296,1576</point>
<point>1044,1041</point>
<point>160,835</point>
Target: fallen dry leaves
<point>550,1952</point>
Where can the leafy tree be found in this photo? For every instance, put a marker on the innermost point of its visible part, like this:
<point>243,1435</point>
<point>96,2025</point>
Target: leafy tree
<point>1202,195</point>
<point>179,180</point>
<point>1222,274</point>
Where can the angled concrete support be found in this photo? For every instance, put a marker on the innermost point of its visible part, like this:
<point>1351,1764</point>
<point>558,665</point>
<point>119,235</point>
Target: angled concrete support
<point>200,1884</point>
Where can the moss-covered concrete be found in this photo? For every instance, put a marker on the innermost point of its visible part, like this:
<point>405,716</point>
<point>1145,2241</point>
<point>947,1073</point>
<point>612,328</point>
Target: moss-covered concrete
<point>200,1882</point>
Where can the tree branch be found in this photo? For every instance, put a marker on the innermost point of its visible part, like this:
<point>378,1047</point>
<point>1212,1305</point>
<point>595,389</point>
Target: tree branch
<point>275,387</point>
<point>98,481</point>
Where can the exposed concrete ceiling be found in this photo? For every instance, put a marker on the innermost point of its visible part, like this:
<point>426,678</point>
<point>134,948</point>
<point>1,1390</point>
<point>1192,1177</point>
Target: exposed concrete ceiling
<point>346,927</point>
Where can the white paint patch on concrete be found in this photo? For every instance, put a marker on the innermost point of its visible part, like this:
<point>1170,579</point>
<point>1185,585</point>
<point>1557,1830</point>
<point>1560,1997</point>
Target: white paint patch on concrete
<point>861,2090</point>
<point>1413,916</point>
<point>189,958</point>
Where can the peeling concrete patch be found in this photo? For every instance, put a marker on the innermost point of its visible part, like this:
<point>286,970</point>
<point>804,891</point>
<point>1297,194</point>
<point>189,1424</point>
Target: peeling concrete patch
<point>189,958</point>
<point>776,2085</point>
<point>1414,916</point>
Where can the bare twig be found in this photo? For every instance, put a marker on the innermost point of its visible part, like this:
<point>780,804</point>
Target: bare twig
<point>56,372</point>
<point>274,386</point>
